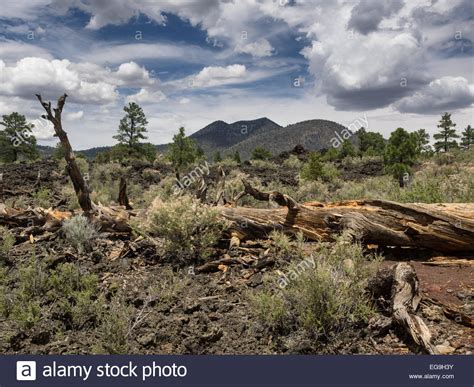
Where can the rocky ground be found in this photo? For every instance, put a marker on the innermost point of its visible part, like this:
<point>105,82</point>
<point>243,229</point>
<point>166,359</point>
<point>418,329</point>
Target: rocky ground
<point>179,311</point>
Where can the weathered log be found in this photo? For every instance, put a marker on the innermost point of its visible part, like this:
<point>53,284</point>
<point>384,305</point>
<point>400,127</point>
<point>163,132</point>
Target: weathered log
<point>80,186</point>
<point>440,227</point>
<point>39,220</point>
<point>405,301</point>
<point>452,312</point>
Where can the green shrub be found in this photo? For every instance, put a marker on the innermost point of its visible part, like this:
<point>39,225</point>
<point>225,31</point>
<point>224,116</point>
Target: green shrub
<point>81,162</point>
<point>270,309</point>
<point>104,182</point>
<point>170,285</point>
<point>151,174</point>
<point>292,162</point>
<point>68,193</point>
<point>66,294</point>
<point>43,197</point>
<point>188,228</point>
<point>324,294</point>
<point>22,304</point>
<point>312,190</point>
<point>7,240</point>
<point>264,164</point>
<point>260,153</point>
<point>285,247</point>
<point>439,184</point>
<point>79,232</point>
<point>76,294</point>
<point>114,329</point>
<point>315,169</point>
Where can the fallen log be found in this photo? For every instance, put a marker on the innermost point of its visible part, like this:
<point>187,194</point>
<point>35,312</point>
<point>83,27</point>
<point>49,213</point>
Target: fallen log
<point>440,227</point>
<point>405,301</point>
<point>447,228</point>
<point>39,220</point>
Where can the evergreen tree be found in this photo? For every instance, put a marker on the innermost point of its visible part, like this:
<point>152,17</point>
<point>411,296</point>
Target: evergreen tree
<point>260,153</point>
<point>313,168</point>
<point>7,150</point>
<point>200,155</point>
<point>331,154</point>
<point>217,157</point>
<point>371,143</point>
<point>132,127</point>
<point>422,139</point>
<point>467,139</point>
<point>58,153</point>
<point>236,157</point>
<point>400,154</point>
<point>182,151</point>
<point>347,150</point>
<point>20,137</point>
<point>446,135</point>
<point>148,152</point>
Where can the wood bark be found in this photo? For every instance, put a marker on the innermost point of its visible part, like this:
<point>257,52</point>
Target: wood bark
<point>405,301</point>
<point>440,227</point>
<point>80,186</point>
<point>123,197</point>
<point>39,220</point>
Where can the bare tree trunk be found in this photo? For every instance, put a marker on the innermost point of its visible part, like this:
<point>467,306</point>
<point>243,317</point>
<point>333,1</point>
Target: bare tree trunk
<point>80,186</point>
<point>123,197</point>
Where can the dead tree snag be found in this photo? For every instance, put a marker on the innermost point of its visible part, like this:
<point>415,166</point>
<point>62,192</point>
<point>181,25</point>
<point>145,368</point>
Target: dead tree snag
<point>80,186</point>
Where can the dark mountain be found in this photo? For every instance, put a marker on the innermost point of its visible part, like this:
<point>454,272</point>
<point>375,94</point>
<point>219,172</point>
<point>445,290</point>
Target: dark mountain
<point>219,136</point>
<point>245,136</point>
<point>312,135</point>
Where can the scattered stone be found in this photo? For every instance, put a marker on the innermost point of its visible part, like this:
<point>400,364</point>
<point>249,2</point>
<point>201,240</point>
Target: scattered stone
<point>445,349</point>
<point>147,339</point>
<point>41,338</point>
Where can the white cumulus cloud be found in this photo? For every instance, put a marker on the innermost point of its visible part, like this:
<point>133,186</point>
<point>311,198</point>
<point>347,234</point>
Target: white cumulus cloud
<point>218,75</point>
<point>443,94</point>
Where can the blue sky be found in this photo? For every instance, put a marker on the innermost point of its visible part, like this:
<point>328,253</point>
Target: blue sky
<point>190,62</point>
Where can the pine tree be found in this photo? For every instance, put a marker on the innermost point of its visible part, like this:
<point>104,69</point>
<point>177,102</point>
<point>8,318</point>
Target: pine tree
<point>400,154</point>
<point>132,127</point>
<point>313,168</point>
<point>446,135</point>
<point>260,153</point>
<point>467,139</point>
<point>422,139</point>
<point>347,150</point>
<point>20,137</point>
<point>217,157</point>
<point>236,157</point>
<point>371,143</point>
<point>182,151</point>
